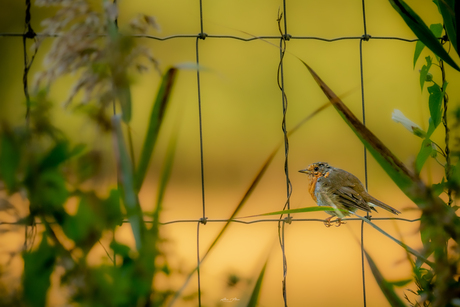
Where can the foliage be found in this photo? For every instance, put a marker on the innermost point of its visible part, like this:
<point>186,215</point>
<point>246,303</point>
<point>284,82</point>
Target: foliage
<point>44,165</point>
<point>439,285</point>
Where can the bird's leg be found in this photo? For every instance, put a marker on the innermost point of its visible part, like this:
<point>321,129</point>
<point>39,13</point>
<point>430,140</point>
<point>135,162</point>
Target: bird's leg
<point>339,222</point>
<point>327,222</point>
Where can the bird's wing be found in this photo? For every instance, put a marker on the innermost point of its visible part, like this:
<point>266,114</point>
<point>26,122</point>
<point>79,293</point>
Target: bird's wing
<point>350,198</point>
<point>354,184</point>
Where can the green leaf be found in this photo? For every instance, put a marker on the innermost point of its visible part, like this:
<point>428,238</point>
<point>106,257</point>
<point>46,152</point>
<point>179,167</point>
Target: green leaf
<point>120,249</point>
<point>9,161</point>
<point>438,188</point>
<point>431,128</point>
<point>86,226</point>
<point>386,287</point>
<point>435,104</point>
<point>112,209</point>
<point>421,30</point>
<point>88,165</point>
<point>436,28</point>
<point>155,121</point>
<point>48,193</point>
<point>58,154</point>
<point>38,266</point>
<point>78,149</point>
<point>418,50</point>
<point>449,10</point>
<point>166,269</point>
<point>125,172</point>
<point>424,71</point>
<point>425,236</point>
<point>253,301</point>
<point>437,31</point>
<point>423,154</point>
<point>437,4</point>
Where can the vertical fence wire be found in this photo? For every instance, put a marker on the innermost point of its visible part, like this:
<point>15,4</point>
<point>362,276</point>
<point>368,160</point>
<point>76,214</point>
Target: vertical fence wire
<point>29,33</point>
<point>365,37</point>
<point>284,265</point>
<point>198,261</point>
<point>201,36</point>
<point>284,102</point>
<point>286,155</point>
<point>280,79</point>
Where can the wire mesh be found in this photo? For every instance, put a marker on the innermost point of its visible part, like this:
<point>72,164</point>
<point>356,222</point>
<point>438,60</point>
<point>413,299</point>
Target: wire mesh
<point>284,38</point>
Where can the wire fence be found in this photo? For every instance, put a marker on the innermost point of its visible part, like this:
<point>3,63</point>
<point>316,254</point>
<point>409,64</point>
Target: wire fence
<point>284,38</point>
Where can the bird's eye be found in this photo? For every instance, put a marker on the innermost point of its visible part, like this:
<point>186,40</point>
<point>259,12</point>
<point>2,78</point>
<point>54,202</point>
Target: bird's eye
<point>316,169</point>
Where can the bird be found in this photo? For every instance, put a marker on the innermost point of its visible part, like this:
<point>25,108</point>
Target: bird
<point>337,188</point>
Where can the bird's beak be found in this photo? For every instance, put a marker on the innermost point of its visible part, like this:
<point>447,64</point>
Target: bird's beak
<point>305,171</point>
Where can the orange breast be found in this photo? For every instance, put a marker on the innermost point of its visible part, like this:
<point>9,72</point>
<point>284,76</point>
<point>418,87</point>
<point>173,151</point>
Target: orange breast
<point>313,181</point>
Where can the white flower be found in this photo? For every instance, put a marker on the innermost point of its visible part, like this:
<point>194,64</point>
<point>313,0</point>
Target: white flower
<point>399,117</point>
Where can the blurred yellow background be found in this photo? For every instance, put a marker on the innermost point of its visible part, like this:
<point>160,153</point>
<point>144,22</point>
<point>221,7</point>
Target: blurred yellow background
<point>241,122</point>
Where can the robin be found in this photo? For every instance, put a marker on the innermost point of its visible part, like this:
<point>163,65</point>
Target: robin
<point>334,187</point>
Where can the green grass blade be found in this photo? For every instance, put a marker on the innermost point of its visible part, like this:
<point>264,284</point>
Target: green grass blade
<point>124,96</point>
<point>126,180</point>
<point>164,179</point>
<point>151,250</point>
<point>155,120</point>
<point>165,174</point>
<point>386,287</point>
<point>300,210</point>
<point>403,245</point>
<point>421,30</point>
<point>254,300</point>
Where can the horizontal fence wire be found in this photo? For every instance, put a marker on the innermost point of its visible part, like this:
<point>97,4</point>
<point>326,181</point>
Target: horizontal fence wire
<point>283,38</point>
<point>22,223</point>
<point>246,39</point>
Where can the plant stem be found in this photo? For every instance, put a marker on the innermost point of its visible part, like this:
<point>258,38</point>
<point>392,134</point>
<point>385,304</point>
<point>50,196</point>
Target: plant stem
<point>447,168</point>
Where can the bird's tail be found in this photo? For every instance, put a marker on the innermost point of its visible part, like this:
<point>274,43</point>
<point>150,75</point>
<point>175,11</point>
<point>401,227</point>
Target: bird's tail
<point>378,203</point>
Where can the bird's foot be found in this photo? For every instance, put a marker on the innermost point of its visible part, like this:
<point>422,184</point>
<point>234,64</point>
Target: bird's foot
<point>339,222</point>
<point>327,222</point>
